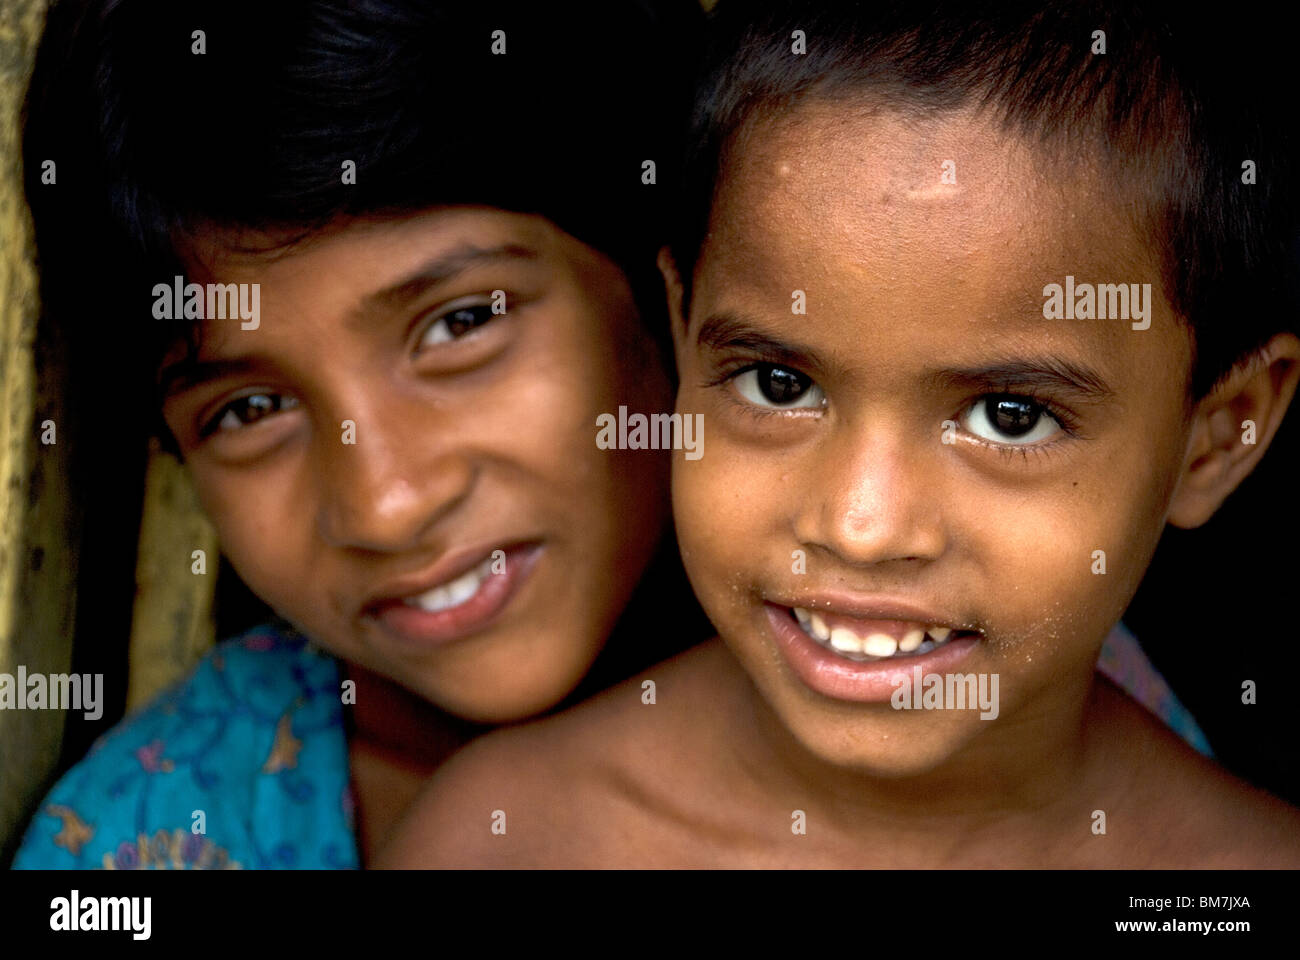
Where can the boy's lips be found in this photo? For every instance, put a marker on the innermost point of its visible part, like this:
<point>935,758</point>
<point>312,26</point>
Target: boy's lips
<point>865,653</point>
<point>460,595</point>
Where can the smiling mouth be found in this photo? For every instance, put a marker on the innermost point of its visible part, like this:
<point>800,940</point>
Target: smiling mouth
<point>469,603</point>
<point>898,640</point>
<point>446,596</point>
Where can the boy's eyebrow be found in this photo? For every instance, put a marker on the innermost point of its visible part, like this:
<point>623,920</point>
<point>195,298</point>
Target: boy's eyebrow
<point>730,331</point>
<point>1032,373</point>
<point>438,270</point>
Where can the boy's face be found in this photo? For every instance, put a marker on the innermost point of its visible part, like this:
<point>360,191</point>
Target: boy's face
<point>411,478</point>
<point>828,484</point>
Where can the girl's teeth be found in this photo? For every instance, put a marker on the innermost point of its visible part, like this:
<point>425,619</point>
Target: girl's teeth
<point>803,616</point>
<point>846,641</point>
<point>452,594</point>
<point>939,634</point>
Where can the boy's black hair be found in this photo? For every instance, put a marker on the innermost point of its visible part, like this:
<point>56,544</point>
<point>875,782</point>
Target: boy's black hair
<point>153,141</point>
<point>1171,111</point>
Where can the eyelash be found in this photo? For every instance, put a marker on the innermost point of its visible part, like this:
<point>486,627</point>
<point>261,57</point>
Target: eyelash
<point>736,369</point>
<point>1064,418</point>
<point>446,314</point>
<point>464,303</point>
<point>1008,451</point>
<point>211,425</point>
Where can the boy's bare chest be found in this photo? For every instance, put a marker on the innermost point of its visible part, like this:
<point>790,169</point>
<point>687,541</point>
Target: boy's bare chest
<point>697,821</point>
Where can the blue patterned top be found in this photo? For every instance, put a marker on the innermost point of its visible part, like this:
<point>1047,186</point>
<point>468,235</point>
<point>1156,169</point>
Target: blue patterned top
<point>245,764</point>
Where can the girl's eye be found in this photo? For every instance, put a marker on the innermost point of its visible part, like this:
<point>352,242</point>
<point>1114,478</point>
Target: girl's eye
<point>768,385</point>
<point>249,409</point>
<point>456,323</point>
<point>1001,418</point>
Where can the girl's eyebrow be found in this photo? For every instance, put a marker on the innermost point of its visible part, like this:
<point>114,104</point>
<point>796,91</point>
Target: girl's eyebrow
<point>186,374</point>
<point>439,270</point>
<point>1033,373</point>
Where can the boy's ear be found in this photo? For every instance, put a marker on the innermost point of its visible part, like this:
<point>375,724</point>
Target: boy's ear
<point>1232,427</point>
<point>676,291</point>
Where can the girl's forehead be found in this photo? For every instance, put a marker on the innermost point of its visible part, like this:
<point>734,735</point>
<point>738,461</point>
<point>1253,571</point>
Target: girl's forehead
<point>387,240</point>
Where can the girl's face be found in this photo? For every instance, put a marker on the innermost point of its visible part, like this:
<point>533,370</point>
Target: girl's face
<point>898,439</point>
<point>410,476</point>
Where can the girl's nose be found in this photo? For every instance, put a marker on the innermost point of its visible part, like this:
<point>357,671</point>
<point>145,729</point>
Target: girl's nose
<point>384,492</point>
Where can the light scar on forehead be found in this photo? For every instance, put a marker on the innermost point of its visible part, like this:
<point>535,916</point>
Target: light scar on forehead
<point>933,191</point>
<point>970,168</point>
<point>926,190</point>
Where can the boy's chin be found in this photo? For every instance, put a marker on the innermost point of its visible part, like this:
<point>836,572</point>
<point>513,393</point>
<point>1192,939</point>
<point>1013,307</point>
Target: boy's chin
<point>889,747</point>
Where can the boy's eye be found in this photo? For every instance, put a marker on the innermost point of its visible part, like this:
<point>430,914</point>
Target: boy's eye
<point>769,385</point>
<point>457,322</point>
<point>1002,418</point>
<point>248,409</point>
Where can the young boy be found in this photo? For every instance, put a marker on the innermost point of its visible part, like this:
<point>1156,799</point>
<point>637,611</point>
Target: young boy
<point>972,306</point>
<point>385,280</point>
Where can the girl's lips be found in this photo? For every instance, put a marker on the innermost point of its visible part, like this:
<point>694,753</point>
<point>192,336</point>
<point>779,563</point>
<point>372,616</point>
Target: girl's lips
<point>411,626</point>
<point>871,681</point>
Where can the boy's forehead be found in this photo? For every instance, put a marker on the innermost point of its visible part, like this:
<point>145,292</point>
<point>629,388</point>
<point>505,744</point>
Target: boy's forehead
<point>921,216</point>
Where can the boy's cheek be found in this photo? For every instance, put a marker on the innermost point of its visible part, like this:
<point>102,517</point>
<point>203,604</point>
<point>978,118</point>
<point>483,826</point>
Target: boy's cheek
<point>1047,573</point>
<point>1062,591</point>
<point>723,522</point>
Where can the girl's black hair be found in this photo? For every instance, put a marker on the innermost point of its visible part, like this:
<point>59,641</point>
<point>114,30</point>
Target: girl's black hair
<point>166,118</point>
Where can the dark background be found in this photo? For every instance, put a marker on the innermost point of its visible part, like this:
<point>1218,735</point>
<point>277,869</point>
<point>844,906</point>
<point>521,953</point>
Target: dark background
<point>1214,610</point>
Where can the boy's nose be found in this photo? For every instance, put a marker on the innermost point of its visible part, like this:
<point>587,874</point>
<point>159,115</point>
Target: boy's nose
<point>872,500</point>
<point>387,490</point>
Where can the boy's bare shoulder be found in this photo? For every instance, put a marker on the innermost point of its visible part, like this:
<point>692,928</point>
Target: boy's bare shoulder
<point>1193,812</point>
<point>570,789</point>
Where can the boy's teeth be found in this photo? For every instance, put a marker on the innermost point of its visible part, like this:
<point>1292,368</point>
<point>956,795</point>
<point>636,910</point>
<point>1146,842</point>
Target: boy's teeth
<point>846,641</point>
<point>911,640</point>
<point>880,645</point>
<point>452,594</point>
<point>875,646</point>
<point>819,628</point>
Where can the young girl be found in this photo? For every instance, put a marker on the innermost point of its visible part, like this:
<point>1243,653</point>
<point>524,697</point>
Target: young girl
<point>442,276</point>
<point>928,494</point>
